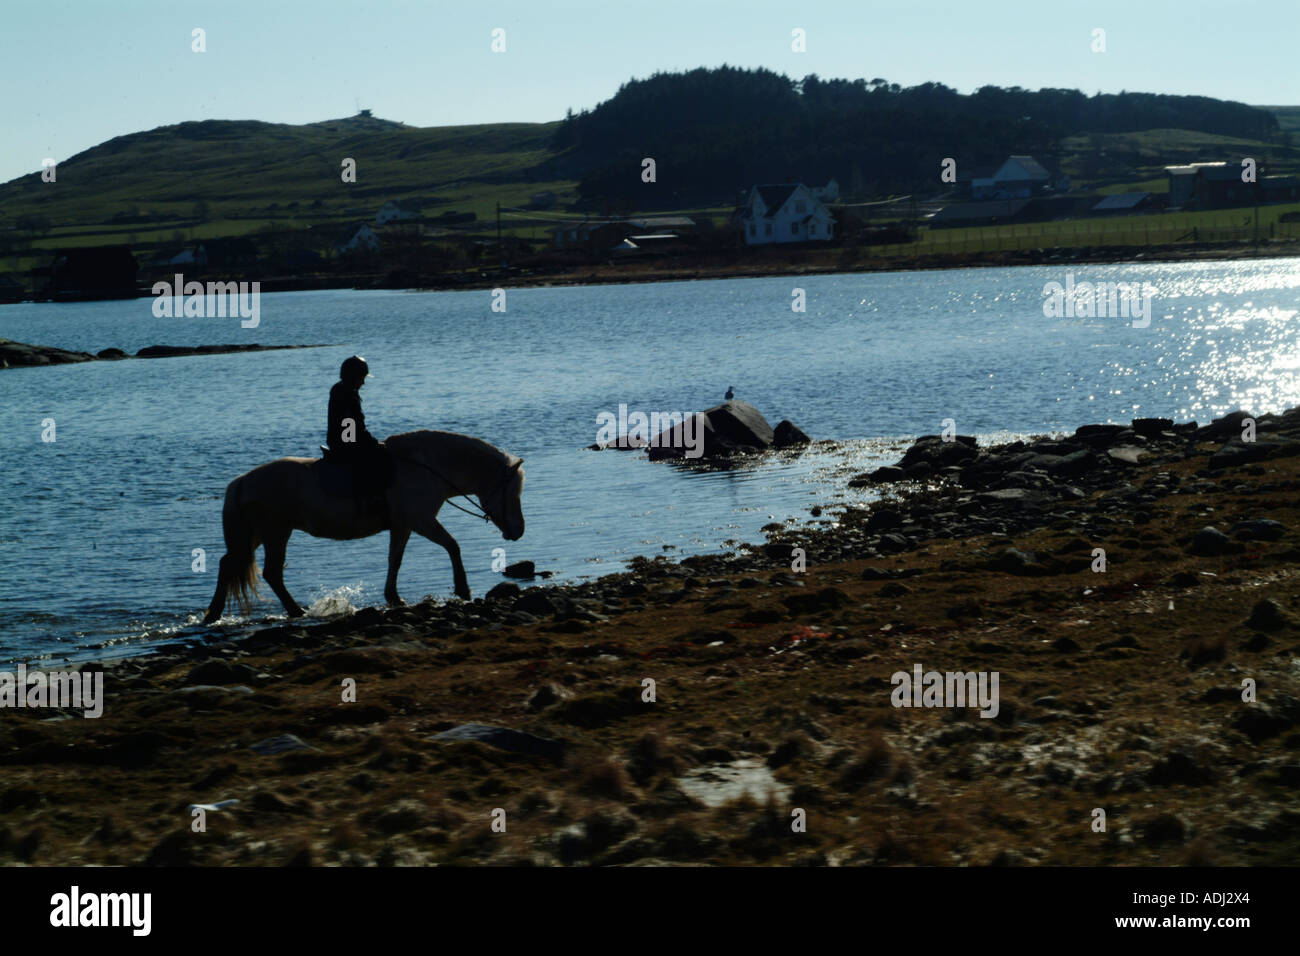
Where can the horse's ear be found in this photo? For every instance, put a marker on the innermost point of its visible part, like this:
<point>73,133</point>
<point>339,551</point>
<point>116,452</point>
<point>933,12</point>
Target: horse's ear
<point>515,466</point>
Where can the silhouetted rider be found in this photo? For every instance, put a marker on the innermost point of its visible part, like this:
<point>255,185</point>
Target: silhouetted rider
<point>349,441</point>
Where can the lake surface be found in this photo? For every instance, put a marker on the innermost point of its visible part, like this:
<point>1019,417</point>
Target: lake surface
<point>99,526</point>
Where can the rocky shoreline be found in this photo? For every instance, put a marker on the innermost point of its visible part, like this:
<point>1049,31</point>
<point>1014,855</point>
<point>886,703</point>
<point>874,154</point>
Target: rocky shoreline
<point>20,354</point>
<point>1121,690</point>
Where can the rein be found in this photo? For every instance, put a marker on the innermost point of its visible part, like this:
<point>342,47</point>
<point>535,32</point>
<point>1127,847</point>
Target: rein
<point>481,513</point>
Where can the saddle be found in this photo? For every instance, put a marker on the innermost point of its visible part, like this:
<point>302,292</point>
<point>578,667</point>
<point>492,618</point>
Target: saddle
<point>342,479</point>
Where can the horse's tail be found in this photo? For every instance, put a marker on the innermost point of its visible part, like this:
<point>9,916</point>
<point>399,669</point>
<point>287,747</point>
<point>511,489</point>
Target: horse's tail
<point>241,548</point>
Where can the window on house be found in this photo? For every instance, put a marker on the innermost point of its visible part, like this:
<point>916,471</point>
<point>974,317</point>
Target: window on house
<point>794,229</point>
<point>767,229</point>
<point>753,230</point>
<point>801,206</point>
<point>812,230</point>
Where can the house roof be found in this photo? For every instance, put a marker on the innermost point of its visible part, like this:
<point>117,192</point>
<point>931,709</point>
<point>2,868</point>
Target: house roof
<point>1121,201</point>
<point>1029,165</point>
<point>774,197</point>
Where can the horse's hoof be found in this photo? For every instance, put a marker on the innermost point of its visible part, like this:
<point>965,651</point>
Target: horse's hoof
<point>297,612</point>
<point>395,601</point>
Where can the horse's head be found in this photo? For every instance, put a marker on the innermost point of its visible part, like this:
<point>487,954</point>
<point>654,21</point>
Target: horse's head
<point>502,504</point>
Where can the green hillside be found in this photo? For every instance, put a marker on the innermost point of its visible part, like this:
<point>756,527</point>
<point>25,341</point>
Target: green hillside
<point>160,190</point>
<point>222,177</point>
<point>1118,162</point>
<point>1288,117</point>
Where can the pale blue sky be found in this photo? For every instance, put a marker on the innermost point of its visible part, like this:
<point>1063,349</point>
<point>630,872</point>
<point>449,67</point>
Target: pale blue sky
<point>79,72</point>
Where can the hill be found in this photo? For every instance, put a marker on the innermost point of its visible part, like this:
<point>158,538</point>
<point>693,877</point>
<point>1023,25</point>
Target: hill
<point>712,132</point>
<point>225,177</point>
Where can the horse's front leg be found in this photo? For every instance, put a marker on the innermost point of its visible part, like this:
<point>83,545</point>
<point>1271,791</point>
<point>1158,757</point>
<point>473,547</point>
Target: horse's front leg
<point>432,529</point>
<point>397,538</point>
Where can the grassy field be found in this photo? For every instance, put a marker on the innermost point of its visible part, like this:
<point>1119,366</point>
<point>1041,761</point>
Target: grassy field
<point>1221,225</point>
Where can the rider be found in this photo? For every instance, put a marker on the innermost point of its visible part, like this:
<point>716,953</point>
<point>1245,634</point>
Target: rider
<point>349,441</point>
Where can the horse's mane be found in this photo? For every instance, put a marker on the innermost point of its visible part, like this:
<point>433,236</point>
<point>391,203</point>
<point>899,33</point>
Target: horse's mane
<point>428,444</point>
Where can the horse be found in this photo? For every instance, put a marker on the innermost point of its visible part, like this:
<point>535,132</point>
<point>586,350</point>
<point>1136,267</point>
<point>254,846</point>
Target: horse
<point>266,505</point>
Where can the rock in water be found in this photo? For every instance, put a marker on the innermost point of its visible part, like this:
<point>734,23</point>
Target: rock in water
<point>14,354</point>
<point>727,429</point>
<point>787,433</point>
<point>521,569</point>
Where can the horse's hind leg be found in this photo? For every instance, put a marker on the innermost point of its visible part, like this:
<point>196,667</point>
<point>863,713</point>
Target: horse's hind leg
<point>432,529</point>
<point>273,570</point>
<point>218,605</point>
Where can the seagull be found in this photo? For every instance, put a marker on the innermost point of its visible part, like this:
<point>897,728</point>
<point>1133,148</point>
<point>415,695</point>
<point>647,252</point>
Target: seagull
<point>731,393</point>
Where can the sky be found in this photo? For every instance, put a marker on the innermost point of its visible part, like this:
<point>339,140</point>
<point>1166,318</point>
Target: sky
<point>79,72</point>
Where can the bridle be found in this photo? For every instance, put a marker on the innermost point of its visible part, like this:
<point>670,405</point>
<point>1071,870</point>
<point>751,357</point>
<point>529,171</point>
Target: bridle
<point>482,512</point>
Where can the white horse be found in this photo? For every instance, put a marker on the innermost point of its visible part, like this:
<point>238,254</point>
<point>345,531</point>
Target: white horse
<point>266,505</point>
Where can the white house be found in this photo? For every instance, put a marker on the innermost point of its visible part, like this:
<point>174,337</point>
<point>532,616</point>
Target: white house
<point>394,211</point>
<point>362,239</point>
<point>785,213</point>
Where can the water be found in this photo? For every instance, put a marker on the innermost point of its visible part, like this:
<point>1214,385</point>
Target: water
<point>97,537</point>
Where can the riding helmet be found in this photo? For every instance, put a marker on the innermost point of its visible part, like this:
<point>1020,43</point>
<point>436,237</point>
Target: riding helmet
<point>353,369</point>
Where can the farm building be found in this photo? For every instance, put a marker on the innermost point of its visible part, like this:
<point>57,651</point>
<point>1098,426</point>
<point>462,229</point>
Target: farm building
<point>785,213</point>
<point>1219,185</point>
<point>1119,204</point>
<point>1019,177</point>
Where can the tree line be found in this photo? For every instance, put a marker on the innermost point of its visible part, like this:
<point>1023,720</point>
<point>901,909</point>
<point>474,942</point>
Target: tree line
<point>714,131</point>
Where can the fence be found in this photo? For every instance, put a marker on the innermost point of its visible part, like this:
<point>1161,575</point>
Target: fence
<point>1089,233</point>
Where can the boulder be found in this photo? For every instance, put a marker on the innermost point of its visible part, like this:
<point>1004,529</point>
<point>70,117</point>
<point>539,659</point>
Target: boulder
<point>1126,454</point>
<point>503,592</point>
<point>524,570</point>
<point>1229,424</point>
<point>1268,615</point>
<point>728,429</point>
<point>1210,542</point>
<point>1259,529</point>
<point>886,473</point>
<point>536,602</point>
<point>787,433</point>
<point>1152,427</point>
<point>1099,434</point>
<point>1237,452</point>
